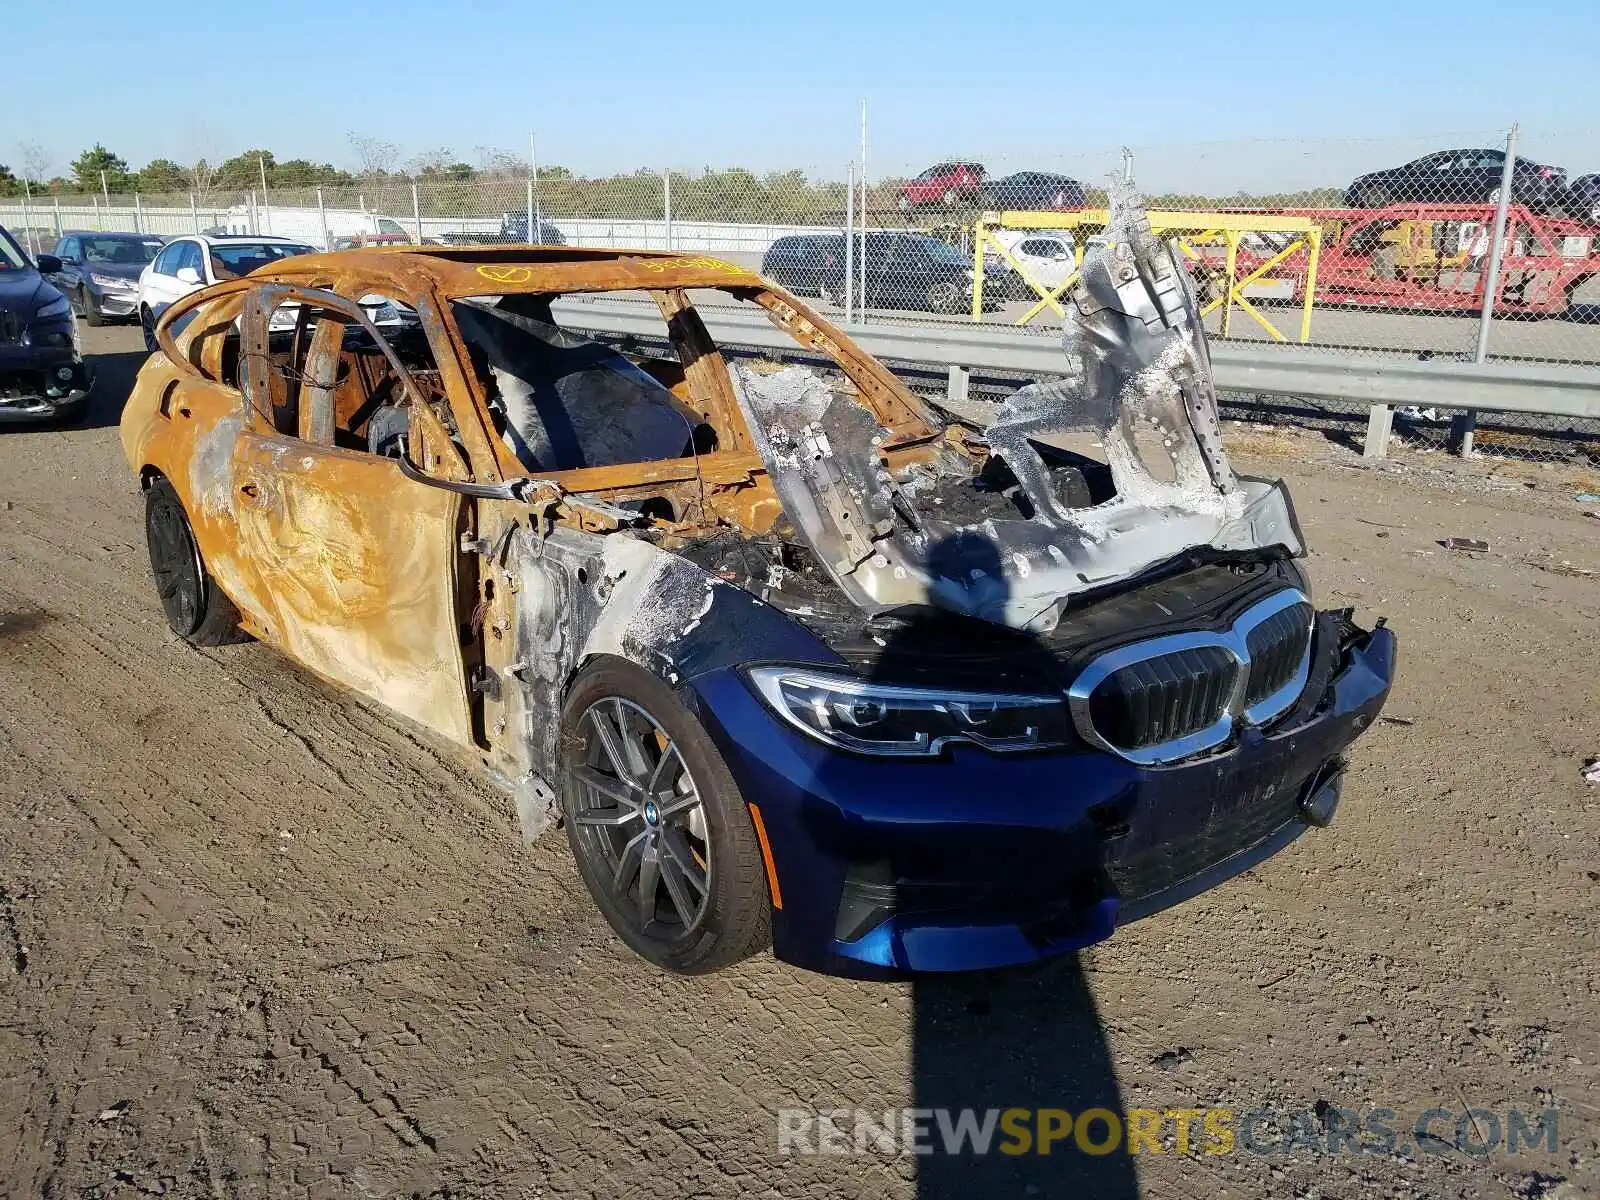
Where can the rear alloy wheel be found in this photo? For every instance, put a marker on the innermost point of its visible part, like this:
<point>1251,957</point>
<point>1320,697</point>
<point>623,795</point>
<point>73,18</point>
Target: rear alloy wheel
<point>196,608</point>
<point>945,297</point>
<point>950,198</point>
<point>657,826</point>
<point>1493,197</point>
<point>147,322</point>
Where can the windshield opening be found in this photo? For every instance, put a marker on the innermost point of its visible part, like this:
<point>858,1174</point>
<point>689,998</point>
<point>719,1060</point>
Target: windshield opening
<point>561,401</point>
<point>11,256</point>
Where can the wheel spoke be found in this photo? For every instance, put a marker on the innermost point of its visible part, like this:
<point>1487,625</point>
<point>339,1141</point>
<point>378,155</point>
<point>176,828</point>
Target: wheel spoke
<point>681,857</point>
<point>611,742</point>
<point>678,891</point>
<point>687,802</point>
<point>628,863</point>
<point>657,776</point>
<point>614,816</point>
<point>606,785</point>
<point>638,765</point>
<point>649,880</point>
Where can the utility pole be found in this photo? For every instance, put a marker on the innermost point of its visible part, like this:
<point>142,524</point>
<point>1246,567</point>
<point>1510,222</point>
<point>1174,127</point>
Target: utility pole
<point>266,205</point>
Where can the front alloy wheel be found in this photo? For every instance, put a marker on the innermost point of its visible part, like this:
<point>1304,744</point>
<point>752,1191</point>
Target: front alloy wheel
<point>656,824</point>
<point>639,811</point>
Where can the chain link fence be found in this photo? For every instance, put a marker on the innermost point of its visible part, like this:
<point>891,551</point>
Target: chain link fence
<point>1387,248</point>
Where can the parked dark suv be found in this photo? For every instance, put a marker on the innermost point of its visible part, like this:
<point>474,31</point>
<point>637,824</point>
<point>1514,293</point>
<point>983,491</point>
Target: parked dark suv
<point>1459,177</point>
<point>911,270</point>
<point>42,375</point>
<point>803,262</point>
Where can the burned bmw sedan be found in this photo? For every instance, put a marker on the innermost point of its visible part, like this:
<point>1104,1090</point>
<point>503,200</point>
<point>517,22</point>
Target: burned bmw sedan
<point>794,657</point>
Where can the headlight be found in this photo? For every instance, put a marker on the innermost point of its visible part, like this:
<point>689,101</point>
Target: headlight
<point>885,719</point>
<point>115,282</point>
<point>53,308</point>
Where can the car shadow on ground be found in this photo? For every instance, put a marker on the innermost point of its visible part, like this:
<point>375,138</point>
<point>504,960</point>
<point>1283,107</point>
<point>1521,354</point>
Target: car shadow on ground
<point>113,381</point>
<point>1025,1038</point>
<point>114,373</point>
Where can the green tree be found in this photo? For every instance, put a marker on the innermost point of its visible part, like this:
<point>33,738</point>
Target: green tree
<point>10,185</point>
<point>163,175</point>
<point>244,170</point>
<point>87,168</point>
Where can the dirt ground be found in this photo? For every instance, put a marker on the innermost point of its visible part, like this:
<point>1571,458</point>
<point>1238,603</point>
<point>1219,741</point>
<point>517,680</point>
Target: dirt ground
<point>259,939</point>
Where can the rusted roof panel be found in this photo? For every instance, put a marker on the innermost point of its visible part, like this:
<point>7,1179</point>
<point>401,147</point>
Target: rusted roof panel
<point>497,270</point>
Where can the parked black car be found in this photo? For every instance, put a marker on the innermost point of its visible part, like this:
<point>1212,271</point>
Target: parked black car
<point>514,229</point>
<point>804,262</point>
<point>1459,177</point>
<point>1583,198</point>
<point>912,270</point>
<point>42,375</point>
<point>100,272</point>
<point>1033,191</point>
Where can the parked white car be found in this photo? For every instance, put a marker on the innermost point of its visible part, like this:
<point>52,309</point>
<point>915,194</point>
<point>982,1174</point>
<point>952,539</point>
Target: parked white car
<point>187,264</point>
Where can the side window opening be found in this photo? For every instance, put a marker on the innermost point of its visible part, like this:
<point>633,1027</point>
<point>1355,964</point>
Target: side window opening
<point>299,383</point>
<point>369,407</point>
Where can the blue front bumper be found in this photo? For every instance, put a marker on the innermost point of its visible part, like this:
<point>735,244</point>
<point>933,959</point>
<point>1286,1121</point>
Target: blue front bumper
<point>30,387</point>
<point>892,867</point>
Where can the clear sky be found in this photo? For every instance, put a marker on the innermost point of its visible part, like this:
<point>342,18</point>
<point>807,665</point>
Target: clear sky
<point>1221,96</point>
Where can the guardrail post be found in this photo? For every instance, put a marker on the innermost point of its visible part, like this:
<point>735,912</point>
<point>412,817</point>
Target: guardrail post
<point>138,213</point>
<point>1380,422</point>
<point>55,202</point>
<point>194,212</point>
<point>322,218</point>
<point>958,387</point>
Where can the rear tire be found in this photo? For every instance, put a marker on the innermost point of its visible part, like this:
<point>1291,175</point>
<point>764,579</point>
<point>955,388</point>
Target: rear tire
<point>657,826</point>
<point>196,609</point>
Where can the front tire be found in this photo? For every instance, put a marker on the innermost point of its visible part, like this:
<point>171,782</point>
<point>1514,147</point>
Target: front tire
<point>656,824</point>
<point>196,609</point>
<point>147,323</point>
<point>945,297</point>
<point>92,316</point>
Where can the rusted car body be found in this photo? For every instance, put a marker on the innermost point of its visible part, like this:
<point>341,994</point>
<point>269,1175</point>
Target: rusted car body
<point>399,514</point>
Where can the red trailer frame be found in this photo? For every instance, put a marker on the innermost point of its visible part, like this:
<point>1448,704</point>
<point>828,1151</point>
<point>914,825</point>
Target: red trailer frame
<point>1537,275</point>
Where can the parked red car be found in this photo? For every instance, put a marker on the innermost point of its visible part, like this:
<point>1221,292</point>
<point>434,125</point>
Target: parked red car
<point>948,183</point>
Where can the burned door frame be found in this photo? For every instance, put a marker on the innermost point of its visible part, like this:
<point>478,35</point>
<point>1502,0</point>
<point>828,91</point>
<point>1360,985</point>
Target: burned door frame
<point>356,565</point>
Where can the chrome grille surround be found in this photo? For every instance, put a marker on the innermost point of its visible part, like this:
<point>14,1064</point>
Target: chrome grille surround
<point>1234,709</point>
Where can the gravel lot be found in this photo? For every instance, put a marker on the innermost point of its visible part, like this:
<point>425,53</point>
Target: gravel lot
<point>259,939</point>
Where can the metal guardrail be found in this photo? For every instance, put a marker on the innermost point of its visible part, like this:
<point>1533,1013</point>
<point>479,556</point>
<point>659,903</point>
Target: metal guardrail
<point>1568,391</point>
